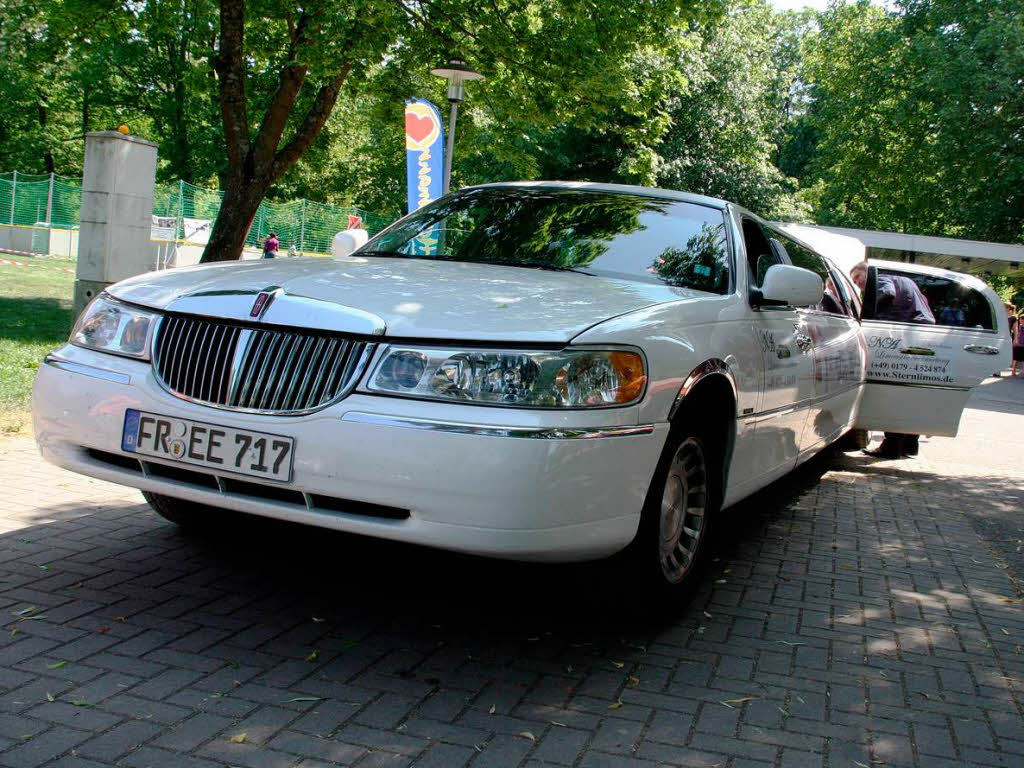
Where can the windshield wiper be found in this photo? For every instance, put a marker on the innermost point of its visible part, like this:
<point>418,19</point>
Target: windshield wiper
<point>385,254</point>
<point>497,262</point>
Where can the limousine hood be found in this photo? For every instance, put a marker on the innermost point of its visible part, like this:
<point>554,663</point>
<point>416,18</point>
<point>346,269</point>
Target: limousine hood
<point>407,298</point>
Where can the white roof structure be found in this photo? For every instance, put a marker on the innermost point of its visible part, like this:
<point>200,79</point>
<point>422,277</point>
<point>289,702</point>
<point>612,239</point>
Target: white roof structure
<point>972,256</point>
<point>844,250</point>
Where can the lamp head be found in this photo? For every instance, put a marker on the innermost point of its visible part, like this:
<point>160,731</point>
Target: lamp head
<point>456,72</point>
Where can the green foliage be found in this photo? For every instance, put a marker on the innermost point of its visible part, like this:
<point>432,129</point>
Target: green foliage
<point>915,118</point>
<point>908,118</point>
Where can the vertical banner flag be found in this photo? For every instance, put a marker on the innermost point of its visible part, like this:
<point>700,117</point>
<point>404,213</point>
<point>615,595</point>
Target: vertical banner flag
<point>424,163</point>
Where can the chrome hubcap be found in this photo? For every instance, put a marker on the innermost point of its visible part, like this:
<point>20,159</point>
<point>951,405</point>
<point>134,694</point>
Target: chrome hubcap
<point>683,507</point>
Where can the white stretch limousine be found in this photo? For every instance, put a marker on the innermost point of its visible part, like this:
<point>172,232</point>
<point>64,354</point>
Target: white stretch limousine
<point>545,371</point>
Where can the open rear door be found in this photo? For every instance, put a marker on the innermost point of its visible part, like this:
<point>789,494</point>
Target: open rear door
<point>932,336</point>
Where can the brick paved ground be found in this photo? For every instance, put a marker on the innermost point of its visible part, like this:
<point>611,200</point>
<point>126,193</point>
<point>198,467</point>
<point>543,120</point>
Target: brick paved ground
<point>854,617</point>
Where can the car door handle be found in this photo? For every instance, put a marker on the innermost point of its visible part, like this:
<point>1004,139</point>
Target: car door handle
<point>803,340</point>
<point>981,349</point>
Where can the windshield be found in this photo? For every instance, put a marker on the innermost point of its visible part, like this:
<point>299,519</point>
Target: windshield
<point>598,233</point>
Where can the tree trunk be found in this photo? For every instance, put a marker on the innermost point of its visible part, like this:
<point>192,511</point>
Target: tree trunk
<point>48,163</point>
<point>181,154</point>
<point>256,163</point>
<point>237,210</point>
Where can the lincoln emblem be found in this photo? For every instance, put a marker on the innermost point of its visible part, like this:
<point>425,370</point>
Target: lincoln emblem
<point>259,304</point>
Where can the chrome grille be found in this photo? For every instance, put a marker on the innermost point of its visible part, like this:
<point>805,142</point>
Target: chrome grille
<point>255,369</point>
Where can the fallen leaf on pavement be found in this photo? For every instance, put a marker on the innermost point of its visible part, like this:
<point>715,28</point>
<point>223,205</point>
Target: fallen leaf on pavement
<point>58,665</point>
<point>238,738</point>
<point>618,664</point>
<point>615,705</point>
<point>527,735</point>
<point>303,698</point>
<point>49,696</point>
<point>491,710</point>
<point>312,656</point>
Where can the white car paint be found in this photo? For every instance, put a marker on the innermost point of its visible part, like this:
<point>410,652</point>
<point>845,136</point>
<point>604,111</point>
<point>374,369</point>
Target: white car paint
<point>511,482</point>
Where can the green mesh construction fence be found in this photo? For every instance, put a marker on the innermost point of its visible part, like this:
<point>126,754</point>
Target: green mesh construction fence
<point>55,201</point>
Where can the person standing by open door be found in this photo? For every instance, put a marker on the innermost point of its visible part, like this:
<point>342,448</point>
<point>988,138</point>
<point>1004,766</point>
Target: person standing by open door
<point>899,299</point>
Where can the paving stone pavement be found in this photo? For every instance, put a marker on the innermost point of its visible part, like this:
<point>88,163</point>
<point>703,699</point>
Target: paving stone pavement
<point>860,613</point>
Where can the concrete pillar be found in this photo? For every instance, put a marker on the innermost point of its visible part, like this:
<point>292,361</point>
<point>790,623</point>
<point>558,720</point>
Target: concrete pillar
<point>117,211</point>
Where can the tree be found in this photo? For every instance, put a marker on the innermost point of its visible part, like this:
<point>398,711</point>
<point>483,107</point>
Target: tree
<point>725,124</point>
<point>47,74</point>
<point>915,118</point>
<point>330,46</point>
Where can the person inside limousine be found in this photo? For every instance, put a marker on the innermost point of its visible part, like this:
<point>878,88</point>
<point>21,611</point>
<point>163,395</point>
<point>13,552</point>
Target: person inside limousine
<point>896,298</point>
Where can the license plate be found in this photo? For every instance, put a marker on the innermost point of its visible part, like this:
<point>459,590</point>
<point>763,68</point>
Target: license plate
<point>238,451</point>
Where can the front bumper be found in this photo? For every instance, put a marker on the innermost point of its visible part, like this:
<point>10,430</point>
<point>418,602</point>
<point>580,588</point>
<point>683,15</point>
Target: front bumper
<point>531,485</point>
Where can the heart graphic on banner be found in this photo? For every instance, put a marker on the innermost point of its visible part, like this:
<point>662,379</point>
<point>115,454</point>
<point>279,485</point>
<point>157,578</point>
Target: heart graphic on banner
<point>418,128</point>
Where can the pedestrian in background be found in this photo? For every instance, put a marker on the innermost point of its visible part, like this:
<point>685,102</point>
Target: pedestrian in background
<point>270,246</point>
<point>1017,334</point>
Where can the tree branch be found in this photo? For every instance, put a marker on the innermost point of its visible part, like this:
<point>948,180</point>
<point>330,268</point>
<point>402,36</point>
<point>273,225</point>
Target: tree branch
<point>311,126</point>
<point>289,83</point>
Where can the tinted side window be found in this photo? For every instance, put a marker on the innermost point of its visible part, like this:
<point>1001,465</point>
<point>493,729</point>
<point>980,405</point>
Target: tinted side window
<point>832,300</point>
<point>951,303</point>
<point>759,252</point>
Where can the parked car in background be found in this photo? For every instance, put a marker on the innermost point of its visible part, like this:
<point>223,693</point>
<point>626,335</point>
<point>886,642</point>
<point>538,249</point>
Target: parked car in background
<point>538,371</point>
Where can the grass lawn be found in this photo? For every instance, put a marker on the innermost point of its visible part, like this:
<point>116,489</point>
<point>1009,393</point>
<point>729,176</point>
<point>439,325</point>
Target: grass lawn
<point>35,317</point>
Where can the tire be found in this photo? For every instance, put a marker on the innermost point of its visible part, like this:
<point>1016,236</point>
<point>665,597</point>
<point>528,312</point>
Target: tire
<point>186,514</point>
<point>854,440</point>
<point>668,555</point>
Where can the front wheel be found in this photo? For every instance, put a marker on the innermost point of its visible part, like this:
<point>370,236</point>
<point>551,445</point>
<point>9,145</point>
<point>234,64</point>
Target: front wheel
<point>669,551</point>
<point>186,514</point>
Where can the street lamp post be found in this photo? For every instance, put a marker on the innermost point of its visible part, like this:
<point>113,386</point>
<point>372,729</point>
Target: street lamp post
<point>456,72</point>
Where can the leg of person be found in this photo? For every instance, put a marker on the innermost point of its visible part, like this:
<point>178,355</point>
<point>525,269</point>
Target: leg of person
<point>911,445</point>
<point>891,447</point>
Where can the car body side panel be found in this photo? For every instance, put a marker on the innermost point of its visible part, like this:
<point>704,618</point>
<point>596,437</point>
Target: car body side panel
<point>679,337</point>
<point>839,364</point>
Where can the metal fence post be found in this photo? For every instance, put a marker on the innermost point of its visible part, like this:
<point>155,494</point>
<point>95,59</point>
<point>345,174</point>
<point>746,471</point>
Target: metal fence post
<point>302,229</point>
<point>14,189</point>
<point>49,203</point>
<point>181,209</point>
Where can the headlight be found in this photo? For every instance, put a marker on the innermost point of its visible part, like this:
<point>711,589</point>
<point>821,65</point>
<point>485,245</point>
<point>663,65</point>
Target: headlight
<point>567,378</point>
<point>110,326</point>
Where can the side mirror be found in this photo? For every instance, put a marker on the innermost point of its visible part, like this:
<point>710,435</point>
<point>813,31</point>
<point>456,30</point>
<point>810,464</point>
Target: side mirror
<point>793,286</point>
<point>347,241</point>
